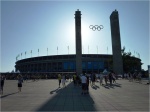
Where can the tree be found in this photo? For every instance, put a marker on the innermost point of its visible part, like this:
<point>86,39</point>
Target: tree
<point>130,63</point>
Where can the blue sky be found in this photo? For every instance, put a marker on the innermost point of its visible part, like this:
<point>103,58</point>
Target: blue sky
<point>33,25</point>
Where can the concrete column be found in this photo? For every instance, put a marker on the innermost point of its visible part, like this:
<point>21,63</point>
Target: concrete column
<point>116,43</point>
<point>78,42</point>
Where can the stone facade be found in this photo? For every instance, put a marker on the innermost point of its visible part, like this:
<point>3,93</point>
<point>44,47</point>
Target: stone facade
<point>116,43</point>
<point>78,42</point>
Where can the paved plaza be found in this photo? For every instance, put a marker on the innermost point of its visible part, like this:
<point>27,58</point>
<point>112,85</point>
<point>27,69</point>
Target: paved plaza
<point>44,95</point>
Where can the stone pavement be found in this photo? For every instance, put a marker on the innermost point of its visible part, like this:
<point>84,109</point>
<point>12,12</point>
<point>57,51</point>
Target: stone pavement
<point>44,95</point>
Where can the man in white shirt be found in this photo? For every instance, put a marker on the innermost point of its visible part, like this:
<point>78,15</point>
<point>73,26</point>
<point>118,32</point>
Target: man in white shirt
<point>84,83</point>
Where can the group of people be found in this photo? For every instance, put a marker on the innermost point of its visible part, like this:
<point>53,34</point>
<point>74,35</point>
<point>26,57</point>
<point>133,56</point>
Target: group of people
<point>19,79</point>
<point>62,79</point>
<point>84,80</point>
<point>134,77</point>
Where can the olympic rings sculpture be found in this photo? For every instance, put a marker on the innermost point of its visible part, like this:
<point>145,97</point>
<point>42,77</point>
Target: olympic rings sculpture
<point>96,27</point>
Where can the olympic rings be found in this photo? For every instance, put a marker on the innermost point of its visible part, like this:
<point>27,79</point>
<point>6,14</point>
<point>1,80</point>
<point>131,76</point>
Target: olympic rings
<point>96,27</point>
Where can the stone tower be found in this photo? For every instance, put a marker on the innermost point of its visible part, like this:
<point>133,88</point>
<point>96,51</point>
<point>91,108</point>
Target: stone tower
<point>116,43</point>
<point>78,42</point>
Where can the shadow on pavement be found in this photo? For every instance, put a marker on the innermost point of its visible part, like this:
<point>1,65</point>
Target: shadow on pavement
<point>8,95</point>
<point>55,91</point>
<point>68,98</point>
<point>95,87</point>
<point>108,86</point>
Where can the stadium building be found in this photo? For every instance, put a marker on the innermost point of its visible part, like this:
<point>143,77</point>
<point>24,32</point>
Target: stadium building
<point>91,63</point>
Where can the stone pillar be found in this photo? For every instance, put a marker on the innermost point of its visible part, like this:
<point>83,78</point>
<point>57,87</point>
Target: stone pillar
<point>78,42</point>
<point>116,43</point>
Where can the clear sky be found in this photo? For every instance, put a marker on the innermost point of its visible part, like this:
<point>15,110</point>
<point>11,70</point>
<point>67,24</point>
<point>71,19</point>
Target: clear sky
<point>33,25</point>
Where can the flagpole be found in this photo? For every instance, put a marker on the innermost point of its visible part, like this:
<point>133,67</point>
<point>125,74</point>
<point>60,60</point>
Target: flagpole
<point>47,51</point>
<point>88,49</point>
<point>25,54</point>
<point>21,55</point>
<point>57,50</point>
<point>38,52</point>
<point>68,49</point>
<point>31,53</point>
<point>107,49</point>
<point>97,49</point>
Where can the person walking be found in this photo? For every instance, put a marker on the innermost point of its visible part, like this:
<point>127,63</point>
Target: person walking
<point>87,85</point>
<point>63,80</point>
<point>84,83</point>
<point>93,77</point>
<point>140,77</point>
<point>2,84</point>
<point>113,78</point>
<point>110,78</point>
<point>105,78</point>
<point>59,79</point>
<point>101,79</point>
<point>75,79</point>
<point>20,80</point>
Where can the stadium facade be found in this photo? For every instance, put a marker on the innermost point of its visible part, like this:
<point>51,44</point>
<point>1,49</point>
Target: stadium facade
<point>91,63</point>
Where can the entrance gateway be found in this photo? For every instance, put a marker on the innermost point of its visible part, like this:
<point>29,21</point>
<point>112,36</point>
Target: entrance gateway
<point>115,37</point>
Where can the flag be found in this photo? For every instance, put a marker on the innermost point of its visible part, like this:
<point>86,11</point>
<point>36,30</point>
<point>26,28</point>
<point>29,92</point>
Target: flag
<point>31,51</point>
<point>38,50</point>
<point>47,49</point>
<point>25,52</point>
<point>57,47</point>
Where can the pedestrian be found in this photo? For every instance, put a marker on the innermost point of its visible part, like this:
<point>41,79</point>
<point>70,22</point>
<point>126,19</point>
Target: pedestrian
<point>19,82</point>
<point>105,78</point>
<point>59,79</point>
<point>113,78</point>
<point>110,78</point>
<point>87,85</point>
<point>140,77</point>
<point>93,77</point>
<point>84,84</point>
<point>78,80</point>
<point>74,79</point>
<point>2,84</point>
<point>63,80</point>
<point>101,79</point>
<point>70,77</point>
